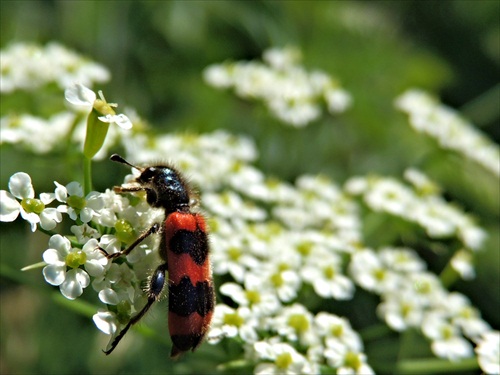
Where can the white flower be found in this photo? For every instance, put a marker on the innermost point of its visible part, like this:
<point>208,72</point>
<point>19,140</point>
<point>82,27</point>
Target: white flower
<point>96,263</point>
<point>229,322</point>
<point>347,362</point>
<point>295,323</point>
<point>86,99</point>
<point>370,273</point>
<point>401,310</point>
<point>337,331</point>
<point>257,295</point>
<point>84,232</point>
<point>462,263</point>
<point>59,257</point>
<point>285,360</point>
<point>463,315</point>
<point>230,205</point>
<point>446,340</point>
<point>232,257</point>
<point>488,352</point>
<point>391,196</point>
<point>84,208</point>
<point>324,272</point>
<point>31,209</point>
<point>338,100</point>
<point>403,260</point>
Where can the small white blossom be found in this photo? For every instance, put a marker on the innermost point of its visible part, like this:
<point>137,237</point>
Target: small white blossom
<point>488,352</point>
<point>256,294</point>
<point>462,263</point>
<point>78,206</point>
<point>295,323</point>
<point>59,257</point>
<point>370,273</point>
<point>229,322</point>
<point>446,340</point>
<point>324,273</point>
<point>401,310</point>
<point>31,209</point>
<point>337,331</point>
<point>347,362</point>
<point>85,99</point>
<point>284,360</point>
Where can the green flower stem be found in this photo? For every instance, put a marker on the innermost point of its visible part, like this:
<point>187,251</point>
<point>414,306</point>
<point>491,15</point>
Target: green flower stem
<point>375,332</point>
<point>34,266</point>
<point>79,306</point>
<point>71,131</point>
<point>435,366</point>
<point>448,276</point>
<point>87,175</point>
<point>484,108</point>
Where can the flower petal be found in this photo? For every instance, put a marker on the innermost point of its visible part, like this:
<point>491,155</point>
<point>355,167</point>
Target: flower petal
<point>80,96</point>
<point>20,186</point>
<point>49,218</point>
<point>109,296</point>
<point>9,207</point>
<point>60,243</point>
<point>75,188</point>
<point>53,257</point>
<point>106,322</point>
<point>121,120</point>
<point>76,280</point>
<point>54,274</point>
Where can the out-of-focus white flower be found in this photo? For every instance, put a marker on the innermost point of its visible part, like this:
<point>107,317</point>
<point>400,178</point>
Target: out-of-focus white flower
<point>446,341</point>
<point>291,93</point>
<point>284,359</point>
<point>27,66</point>
<point>428,116</point>
<point>229,322</point>
<point>488,352</point>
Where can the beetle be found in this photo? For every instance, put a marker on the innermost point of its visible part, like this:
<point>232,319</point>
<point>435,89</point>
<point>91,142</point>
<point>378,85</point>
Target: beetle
<point>184,251</point>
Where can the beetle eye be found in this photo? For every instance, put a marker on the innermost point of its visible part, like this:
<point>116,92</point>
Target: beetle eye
<point>148,174</point>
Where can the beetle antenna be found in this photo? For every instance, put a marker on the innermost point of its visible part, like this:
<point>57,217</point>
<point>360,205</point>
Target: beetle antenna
<point>118,159</point>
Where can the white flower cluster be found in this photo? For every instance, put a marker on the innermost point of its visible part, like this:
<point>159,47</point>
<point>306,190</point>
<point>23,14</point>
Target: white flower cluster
<point>41,136</point>
<point>34,133</point>
<point>430,117</point>
<point>415,298</point>
<point>421,205</point>
<point>26,66</point>
<point>291,93</point>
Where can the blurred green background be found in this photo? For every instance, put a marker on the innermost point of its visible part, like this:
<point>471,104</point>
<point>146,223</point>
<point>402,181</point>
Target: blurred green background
<point>156,52</point>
